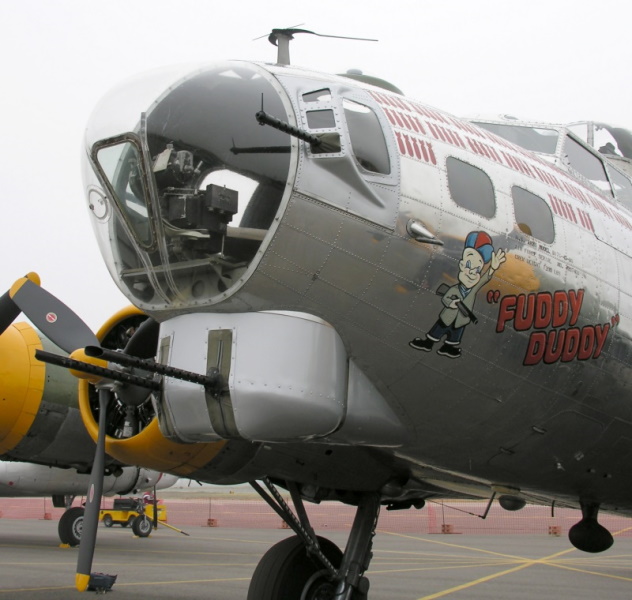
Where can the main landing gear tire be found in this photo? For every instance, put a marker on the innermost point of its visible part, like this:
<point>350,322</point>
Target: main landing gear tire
<point>70,526</point>
<point>141,526</point>
<point>288,572</point>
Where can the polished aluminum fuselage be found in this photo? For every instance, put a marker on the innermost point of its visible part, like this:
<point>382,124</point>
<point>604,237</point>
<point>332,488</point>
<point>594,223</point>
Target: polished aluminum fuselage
<point>538,399</point>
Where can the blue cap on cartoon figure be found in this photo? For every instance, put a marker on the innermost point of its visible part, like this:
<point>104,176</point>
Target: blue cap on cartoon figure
<point>482,243</point>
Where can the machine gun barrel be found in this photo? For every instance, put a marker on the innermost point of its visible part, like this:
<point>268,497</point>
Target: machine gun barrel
<point>263,118</point>
<point>77,365</point>
<point>211,381</point>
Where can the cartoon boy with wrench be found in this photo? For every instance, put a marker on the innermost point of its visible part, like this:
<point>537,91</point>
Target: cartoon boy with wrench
<point>458,300</point>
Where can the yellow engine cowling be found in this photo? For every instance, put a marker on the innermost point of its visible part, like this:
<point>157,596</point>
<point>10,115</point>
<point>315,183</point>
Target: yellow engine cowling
<point>23,378</point>
<point>148,448</point>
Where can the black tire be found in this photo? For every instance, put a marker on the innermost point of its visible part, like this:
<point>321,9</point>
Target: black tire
<point>70,526</point>
<point>286,570</point>
<point>142,526</point>
<point>107,520</point>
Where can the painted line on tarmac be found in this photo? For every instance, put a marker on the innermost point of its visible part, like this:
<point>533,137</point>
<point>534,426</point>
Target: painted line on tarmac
<point>528,563</point>
<point>547,560</point>
<point>450,545</point>
<point>120,585</point>
<point>38,589</point>
<point>181,582</point>
<point>587,572</point>
<point>434,568</point>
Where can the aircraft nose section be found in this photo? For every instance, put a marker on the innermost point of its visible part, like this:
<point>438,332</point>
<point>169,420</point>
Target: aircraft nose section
<point>186,197</point>
<point>22,379</point>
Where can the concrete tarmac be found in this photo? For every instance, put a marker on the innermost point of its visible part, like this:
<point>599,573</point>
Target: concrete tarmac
<point>216,564</point>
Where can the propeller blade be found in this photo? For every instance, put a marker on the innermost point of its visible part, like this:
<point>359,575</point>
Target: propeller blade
<point>93,504</point>
<point>9,310</point>
<point>51,316</point>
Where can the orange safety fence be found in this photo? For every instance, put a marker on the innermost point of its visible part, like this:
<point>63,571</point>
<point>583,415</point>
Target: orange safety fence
<point>447,517</point>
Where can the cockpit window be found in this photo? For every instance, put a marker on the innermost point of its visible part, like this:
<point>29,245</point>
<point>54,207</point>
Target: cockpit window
<point>121,165</point>
<point>367,137</point>
<point>587,164</point>
<point>622,186</point>
<point>535,139</point>
<point>608,140</point>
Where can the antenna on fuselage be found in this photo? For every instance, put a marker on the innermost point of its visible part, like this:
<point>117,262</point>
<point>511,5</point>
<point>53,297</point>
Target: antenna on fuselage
<point>281,38</point>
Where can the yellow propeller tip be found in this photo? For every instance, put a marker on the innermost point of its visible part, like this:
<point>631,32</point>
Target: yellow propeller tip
<point>34,277</point>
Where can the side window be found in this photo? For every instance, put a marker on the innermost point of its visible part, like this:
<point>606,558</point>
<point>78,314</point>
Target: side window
<point>367,137</point>
<point>470,187</point>
<point>323,95</point>
<point>587,164</point>
<point>622,187</point>
<point>320,119</point>
<point>533,215</point>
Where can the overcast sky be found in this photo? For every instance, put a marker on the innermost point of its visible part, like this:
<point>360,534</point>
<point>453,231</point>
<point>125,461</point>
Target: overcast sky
<point>548,60</point>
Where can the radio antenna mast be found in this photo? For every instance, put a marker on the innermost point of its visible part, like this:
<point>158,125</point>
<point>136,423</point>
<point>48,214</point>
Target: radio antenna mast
<point>281,39</point>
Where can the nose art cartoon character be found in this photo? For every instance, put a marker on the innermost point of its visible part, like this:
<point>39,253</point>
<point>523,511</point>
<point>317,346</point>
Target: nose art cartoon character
<point>458,300</point>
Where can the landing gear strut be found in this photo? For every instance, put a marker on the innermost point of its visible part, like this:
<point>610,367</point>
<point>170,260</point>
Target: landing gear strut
<point>309,567</point>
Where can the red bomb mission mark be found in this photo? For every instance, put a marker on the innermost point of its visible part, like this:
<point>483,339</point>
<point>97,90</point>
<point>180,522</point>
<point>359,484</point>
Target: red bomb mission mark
<point>558,310</point>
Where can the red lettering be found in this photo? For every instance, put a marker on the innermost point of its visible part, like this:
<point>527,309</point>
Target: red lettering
<point>586,343</point>
<point>506,312</point>
<point>575,298</point>
<point>571,344</point>
<point>535,350</point>
<point>601,333</point>
<point>560,309</point>
<point>554,346</point>
<point>525,309</point>
<point>544,310</point>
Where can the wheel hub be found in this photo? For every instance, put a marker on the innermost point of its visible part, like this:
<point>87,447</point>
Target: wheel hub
<point>318,587</point>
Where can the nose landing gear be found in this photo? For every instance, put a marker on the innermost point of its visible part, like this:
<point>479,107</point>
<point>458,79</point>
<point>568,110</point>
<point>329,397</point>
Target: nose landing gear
<point>309,567</point>
<point>288,571</point>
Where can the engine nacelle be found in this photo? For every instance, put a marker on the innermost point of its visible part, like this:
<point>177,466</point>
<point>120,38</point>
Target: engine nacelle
<point>39,416</point>
<point>289,368</point>
<point>146,446</point>
<point>25,479</point>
